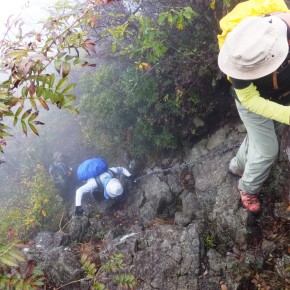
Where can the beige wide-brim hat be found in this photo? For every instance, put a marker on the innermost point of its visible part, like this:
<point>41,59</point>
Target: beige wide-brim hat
<point>256,47</point>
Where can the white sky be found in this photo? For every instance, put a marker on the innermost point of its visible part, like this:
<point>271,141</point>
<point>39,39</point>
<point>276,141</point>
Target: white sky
<point>31,10</point>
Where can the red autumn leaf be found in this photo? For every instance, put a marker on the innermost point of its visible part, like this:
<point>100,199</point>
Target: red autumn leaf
<point>65,67</point>
<point>38,37</point>
<point>11,234</point>
<point>16,84</point>
<point>38,123</point>
<point>30,266</point>
<point>89,46</point>
<point>31,89</point>
<point>43,104</point>
<point>3,142</point>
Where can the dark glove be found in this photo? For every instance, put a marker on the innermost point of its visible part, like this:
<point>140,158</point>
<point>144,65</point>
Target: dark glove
<point>131,182</point>
<point>79,211</point>
<point>131,178</point>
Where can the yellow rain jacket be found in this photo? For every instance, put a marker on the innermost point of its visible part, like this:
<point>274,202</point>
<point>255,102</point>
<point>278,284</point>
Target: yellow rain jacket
<point>246,9</point>
<point>250,97</point>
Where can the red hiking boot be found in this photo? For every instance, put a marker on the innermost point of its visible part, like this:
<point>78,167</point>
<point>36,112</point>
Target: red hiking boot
<point>250,201</point>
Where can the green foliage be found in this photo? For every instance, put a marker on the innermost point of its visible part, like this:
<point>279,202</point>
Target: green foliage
<point>125,281</point>
<point>16,271</point>
<point>99,234</point>
<point>98,286</point>
<point>114,264</point>
<point>151,42</point>
<point>30,85</point>
<point>10,255</point>
<point>89,267</point>
<point>177,18</point>
<point>40,208</point>
<point>171,51</point>
<point>118,111</point>
<point>45,206</point>
<point>178,49</point>
<point>21,216</point>
<point>177,37</point>
<point>123,107</point>
<point>10,218</point>
<point>37,64</point>
<point>112,269</point>
<point>11,281</point>
<point>209,241</point>
<point>228,2</point>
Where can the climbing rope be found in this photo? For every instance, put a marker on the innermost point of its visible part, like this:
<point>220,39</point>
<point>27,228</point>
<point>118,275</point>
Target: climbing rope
<point>219,152</point>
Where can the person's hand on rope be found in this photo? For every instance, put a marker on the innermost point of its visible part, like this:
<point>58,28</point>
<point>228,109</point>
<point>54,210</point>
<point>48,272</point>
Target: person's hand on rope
<point>131,178</point>
<point>131,181</point>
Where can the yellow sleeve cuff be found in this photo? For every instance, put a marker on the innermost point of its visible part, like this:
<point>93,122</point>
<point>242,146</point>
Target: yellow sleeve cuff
<point>251,99</point>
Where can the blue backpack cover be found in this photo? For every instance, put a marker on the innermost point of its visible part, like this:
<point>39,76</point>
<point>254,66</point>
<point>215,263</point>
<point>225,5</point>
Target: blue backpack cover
<point>91,168</point>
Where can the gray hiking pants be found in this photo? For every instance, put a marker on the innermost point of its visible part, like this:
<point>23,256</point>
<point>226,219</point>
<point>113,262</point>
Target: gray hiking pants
<point>258,151</point>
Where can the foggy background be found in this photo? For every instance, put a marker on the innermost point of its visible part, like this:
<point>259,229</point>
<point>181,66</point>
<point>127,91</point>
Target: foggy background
<point>61,132</point>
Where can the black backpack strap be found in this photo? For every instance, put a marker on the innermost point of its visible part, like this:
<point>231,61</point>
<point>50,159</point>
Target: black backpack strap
<point>99,182</point>
<point>111,172</point>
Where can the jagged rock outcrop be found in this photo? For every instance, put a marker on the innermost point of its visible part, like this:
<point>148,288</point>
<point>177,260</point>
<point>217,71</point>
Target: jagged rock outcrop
<point>63,266</point>
<point>179,228</point>
<point>164,257</point>
<point>55,257</point>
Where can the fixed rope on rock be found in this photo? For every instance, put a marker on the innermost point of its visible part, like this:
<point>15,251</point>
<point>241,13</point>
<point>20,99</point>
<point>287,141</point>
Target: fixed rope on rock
<point>220,151</point>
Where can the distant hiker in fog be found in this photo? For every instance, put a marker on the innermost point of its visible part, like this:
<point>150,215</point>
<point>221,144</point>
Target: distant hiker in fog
<point>61,174</point>
<point>99,179</point>
<point>255,57</point>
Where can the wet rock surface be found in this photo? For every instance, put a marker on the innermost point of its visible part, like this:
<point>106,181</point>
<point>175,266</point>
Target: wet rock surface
<point>184,228</point>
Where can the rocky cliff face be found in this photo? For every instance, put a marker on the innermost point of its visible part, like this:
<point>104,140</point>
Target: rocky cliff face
<point>182,226</point>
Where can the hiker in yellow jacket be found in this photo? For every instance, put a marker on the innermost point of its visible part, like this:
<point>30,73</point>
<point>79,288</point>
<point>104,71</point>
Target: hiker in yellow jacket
<point>254,54</point>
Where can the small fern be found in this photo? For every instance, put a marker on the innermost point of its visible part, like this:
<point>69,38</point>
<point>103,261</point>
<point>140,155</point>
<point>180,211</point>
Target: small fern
<point>28,278</point>
<point>115,263</point>
<point>98,286</point>
<point>10,256</point>
<point>89,267</point>
<point>112,268</point>
<point>125,281</point>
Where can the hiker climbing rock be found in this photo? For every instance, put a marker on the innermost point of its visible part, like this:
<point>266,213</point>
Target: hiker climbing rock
<point>98,177</point>
<point>255,56</point>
